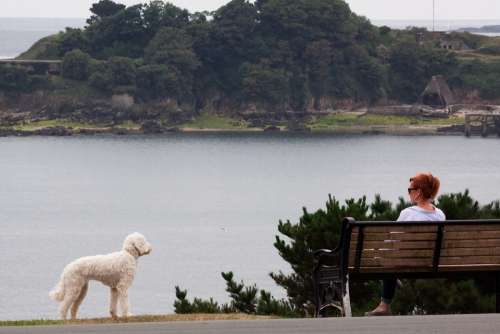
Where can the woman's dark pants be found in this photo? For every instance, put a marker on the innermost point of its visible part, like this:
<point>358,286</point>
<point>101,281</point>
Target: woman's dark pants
<point>388,290</point>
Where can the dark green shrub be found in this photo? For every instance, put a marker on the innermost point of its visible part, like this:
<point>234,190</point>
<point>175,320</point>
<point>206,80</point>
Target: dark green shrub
<point>263,84</point>
<point>480,76</point>
<point>122,70</point>
<point>442,297</point>
<point>117,75</point>
<point>75,65</point>
<point>156,81</point>
<point>101,80</point>
<point>40,82</point>
<point>13,78</point>
<point>244,299</point>
<point>183,306</point>
<point>384,30</point>
<point>490,49</point>
<point>72,39</point>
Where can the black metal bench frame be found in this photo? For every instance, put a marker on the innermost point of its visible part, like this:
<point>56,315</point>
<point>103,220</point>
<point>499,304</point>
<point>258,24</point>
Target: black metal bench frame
<point>331,273</point>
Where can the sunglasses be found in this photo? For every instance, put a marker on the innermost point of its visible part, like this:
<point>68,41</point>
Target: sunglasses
<point>411,189</point>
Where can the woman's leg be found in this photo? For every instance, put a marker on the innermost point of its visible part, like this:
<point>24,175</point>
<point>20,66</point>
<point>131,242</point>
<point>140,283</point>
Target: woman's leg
<point>388,290</point>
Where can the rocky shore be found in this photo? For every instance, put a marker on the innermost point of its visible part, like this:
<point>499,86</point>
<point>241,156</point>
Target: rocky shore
<point>63,131</point>
<point>42,114</point>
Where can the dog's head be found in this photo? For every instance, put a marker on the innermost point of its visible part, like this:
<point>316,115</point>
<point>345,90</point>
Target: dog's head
<point>137,245</point>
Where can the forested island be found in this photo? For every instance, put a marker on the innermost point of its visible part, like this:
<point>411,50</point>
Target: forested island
<point>268,64</point>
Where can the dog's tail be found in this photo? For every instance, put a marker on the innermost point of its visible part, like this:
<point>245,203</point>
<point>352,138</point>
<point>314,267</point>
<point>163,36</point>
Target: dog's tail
<point>58,292</point>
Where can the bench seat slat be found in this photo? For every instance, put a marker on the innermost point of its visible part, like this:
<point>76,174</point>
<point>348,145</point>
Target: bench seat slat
<point>470,251</point>
<point>470,267</point>
<point>383,270</point>
<point>464,260</point>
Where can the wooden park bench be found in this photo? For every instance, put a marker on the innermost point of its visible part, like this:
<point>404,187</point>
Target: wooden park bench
<point>379,250</point>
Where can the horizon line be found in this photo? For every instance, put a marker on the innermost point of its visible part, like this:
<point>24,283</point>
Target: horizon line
<point>371,19</point>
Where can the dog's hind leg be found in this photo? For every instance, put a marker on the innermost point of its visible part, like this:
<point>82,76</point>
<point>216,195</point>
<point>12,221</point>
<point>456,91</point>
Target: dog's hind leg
<point>79,300</point>
<point>69,298</point>
<point>113,301</point>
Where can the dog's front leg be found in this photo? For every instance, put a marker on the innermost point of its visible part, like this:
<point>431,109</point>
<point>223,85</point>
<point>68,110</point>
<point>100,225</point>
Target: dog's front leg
<point>113,301</point>
<point>123,301</point>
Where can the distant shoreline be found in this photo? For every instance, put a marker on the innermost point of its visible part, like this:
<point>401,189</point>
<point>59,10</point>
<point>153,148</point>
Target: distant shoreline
<point>61,131</point>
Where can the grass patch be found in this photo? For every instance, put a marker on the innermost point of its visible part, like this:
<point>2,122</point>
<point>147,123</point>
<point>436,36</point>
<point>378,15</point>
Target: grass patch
<point>138,319</point>
<point>471,55</point>
<point>40,322</point>
<point>45,48</point>
<point>208,121</point>
<point>31,126</point>
<point>128,125</point>
<point>72,88</point>
<point>353,119</point>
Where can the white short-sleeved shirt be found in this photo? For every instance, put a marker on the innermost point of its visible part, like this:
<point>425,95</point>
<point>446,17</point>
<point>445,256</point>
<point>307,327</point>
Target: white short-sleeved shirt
<point>415,213</point>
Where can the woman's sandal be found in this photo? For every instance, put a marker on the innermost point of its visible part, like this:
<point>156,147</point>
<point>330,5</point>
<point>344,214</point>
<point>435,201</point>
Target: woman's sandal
<point>375,313</point>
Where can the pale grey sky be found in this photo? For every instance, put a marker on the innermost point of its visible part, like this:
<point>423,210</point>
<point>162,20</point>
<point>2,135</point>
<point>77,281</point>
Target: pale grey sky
<point>373,9</point>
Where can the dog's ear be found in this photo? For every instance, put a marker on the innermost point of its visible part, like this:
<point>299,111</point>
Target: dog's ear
<point>143,246</point>
<point>136,245</point>
<point>129,245</point>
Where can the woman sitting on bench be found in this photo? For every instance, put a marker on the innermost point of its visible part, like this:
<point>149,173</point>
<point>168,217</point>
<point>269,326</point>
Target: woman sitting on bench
<point>422,191</point>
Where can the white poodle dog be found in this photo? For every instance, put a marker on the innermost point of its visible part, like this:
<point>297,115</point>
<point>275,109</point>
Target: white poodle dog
<point>116,270</point>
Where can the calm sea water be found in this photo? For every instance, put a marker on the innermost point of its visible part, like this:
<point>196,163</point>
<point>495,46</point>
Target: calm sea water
<point>207,203</point>
<point>18,34</point>
<point>440,25</point>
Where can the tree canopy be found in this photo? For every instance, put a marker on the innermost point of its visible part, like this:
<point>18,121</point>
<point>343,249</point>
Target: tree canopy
<point>277,54</point>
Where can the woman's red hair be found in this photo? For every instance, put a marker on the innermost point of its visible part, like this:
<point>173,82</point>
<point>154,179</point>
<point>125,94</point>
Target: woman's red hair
<point>427,183</point>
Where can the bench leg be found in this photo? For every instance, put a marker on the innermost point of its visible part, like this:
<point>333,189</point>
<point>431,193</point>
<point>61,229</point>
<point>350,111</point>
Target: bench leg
<point>346,300</point>
<point>497,280</point>
<point>317,302</point>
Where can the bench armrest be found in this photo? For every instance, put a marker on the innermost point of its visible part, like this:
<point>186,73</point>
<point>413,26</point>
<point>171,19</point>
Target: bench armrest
<point>321,252</point>
<point>326,257</point>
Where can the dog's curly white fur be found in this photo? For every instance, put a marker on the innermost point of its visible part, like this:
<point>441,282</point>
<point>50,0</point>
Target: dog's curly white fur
<point>116,270</point>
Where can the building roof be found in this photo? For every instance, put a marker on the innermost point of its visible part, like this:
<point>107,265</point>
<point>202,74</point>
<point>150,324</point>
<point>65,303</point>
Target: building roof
<point>437,93</point>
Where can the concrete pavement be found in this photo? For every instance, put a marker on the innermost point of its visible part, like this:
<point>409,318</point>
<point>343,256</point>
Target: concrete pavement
<point>452,324</point>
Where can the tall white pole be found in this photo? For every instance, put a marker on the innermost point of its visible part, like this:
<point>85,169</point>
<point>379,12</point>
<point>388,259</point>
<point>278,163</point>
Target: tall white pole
<point>433,15</point>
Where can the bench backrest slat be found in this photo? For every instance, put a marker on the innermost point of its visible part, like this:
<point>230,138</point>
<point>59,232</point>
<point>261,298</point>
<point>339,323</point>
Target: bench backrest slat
<point>472,227</point>
<point>396,244</point>
<point>401,228</point>
<point>472,235</point>
<point>370,236</point>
